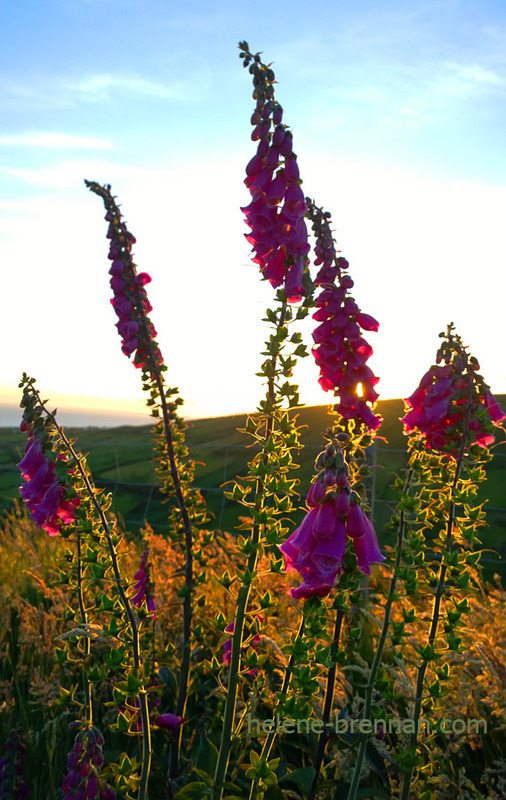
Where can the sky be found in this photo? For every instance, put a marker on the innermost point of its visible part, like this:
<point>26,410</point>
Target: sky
<point>398,114</point>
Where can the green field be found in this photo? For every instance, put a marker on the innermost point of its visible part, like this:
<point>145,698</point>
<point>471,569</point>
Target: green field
<point>120,460</point>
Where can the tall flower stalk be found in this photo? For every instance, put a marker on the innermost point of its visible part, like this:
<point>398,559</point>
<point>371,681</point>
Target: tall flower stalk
<point>34,410</point>
<point>378,655</point>
<point>139,338</point>
<point>279,241</point>
<point>275,436</point>
<point>276,213</point>
<point>340,350</point>
<point>452,413</point>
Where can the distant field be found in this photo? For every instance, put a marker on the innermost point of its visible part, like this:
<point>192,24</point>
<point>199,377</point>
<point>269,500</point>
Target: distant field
<point>120,459</point>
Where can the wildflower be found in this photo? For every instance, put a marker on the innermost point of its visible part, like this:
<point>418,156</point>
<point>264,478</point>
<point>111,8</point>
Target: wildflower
<point>143,587</point>
<point>84,762</point>
<point>168,721</point>
<point>43,492</point>
<point>276,214</point>
<point>316,548</point>
<point>452,400</point>
<point>340,351</point>
<point>130,301</point>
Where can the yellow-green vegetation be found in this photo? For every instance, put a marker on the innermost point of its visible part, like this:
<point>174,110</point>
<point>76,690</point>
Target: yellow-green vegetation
<point>32,605</point>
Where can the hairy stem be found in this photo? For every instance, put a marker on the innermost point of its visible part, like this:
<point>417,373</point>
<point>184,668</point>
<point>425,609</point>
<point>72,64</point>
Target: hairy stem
<point>381,645</point>
<point>438,596</point>
<point>84,620</point>
<point>267,745</point>
<point>127,606</point>
<point>327,706</point>
<point>242,602</point>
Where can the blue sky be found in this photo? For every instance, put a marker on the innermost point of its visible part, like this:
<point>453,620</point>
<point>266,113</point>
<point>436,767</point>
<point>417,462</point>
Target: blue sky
<point>398,114</point>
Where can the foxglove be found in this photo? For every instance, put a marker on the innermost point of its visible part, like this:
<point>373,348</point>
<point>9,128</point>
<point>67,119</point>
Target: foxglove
<point>453,400</point>
<point>340,350</point>
<point>83,781</point>
<point>276,213</point>
<point>129,300</point>
<point>143,587</point>
<point>43,492</point>
<point>316,548</point>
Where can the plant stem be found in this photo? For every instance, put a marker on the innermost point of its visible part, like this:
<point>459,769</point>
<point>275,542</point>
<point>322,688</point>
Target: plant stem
<point>127,606</point>
<point>84,620</point>
<point>438,595</point>
<point>355,781</point>
<point>242,599</point>
<point>157,379</point>
<point>267,745</point>
<point>327,705</point>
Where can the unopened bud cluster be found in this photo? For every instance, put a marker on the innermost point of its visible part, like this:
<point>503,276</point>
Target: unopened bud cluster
<point>129,300</point>
<point>276,214</point>
<point>82,781</point>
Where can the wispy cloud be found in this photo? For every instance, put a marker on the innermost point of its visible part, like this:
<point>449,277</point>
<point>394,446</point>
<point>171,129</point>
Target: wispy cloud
<point>47,92</point>
<point>98,86</point>
<point>460,78</point>
<point>68,174</point>
<point>56,141</point>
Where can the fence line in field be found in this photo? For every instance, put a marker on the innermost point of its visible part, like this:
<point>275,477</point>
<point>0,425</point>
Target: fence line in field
<point>113,484</point>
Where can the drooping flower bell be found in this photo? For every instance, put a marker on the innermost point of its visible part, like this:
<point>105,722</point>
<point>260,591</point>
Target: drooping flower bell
<point>340,350</point>
<point>43,492</point>
<point>275,215</point>
<point>169,721</point>
<point>453,401</point>
<point>316,548</point>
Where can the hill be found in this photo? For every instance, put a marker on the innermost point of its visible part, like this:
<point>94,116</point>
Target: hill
<point>120,460</point>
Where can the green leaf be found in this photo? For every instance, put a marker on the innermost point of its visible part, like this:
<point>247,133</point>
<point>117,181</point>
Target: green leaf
<point>194,791</point>
<point>302,778</point>
<point>206,756</point>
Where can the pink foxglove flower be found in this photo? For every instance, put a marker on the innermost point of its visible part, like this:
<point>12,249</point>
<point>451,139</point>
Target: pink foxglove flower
<point>450,396</point>
<point>275,215</point>
<point>130,301</point>
<point>168,721</point>
<point>316,548</point>
<point>42,491</point>
<point>340,350</point>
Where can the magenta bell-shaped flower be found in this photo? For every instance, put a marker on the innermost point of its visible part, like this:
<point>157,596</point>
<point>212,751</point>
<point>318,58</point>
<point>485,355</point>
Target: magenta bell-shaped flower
<point>316,548</point>
<point>170,722</point>
<point>42,492</point>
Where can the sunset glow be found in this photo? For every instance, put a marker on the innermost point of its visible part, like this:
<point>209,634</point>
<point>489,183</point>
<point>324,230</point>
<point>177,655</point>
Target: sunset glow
<point>403,149</point>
